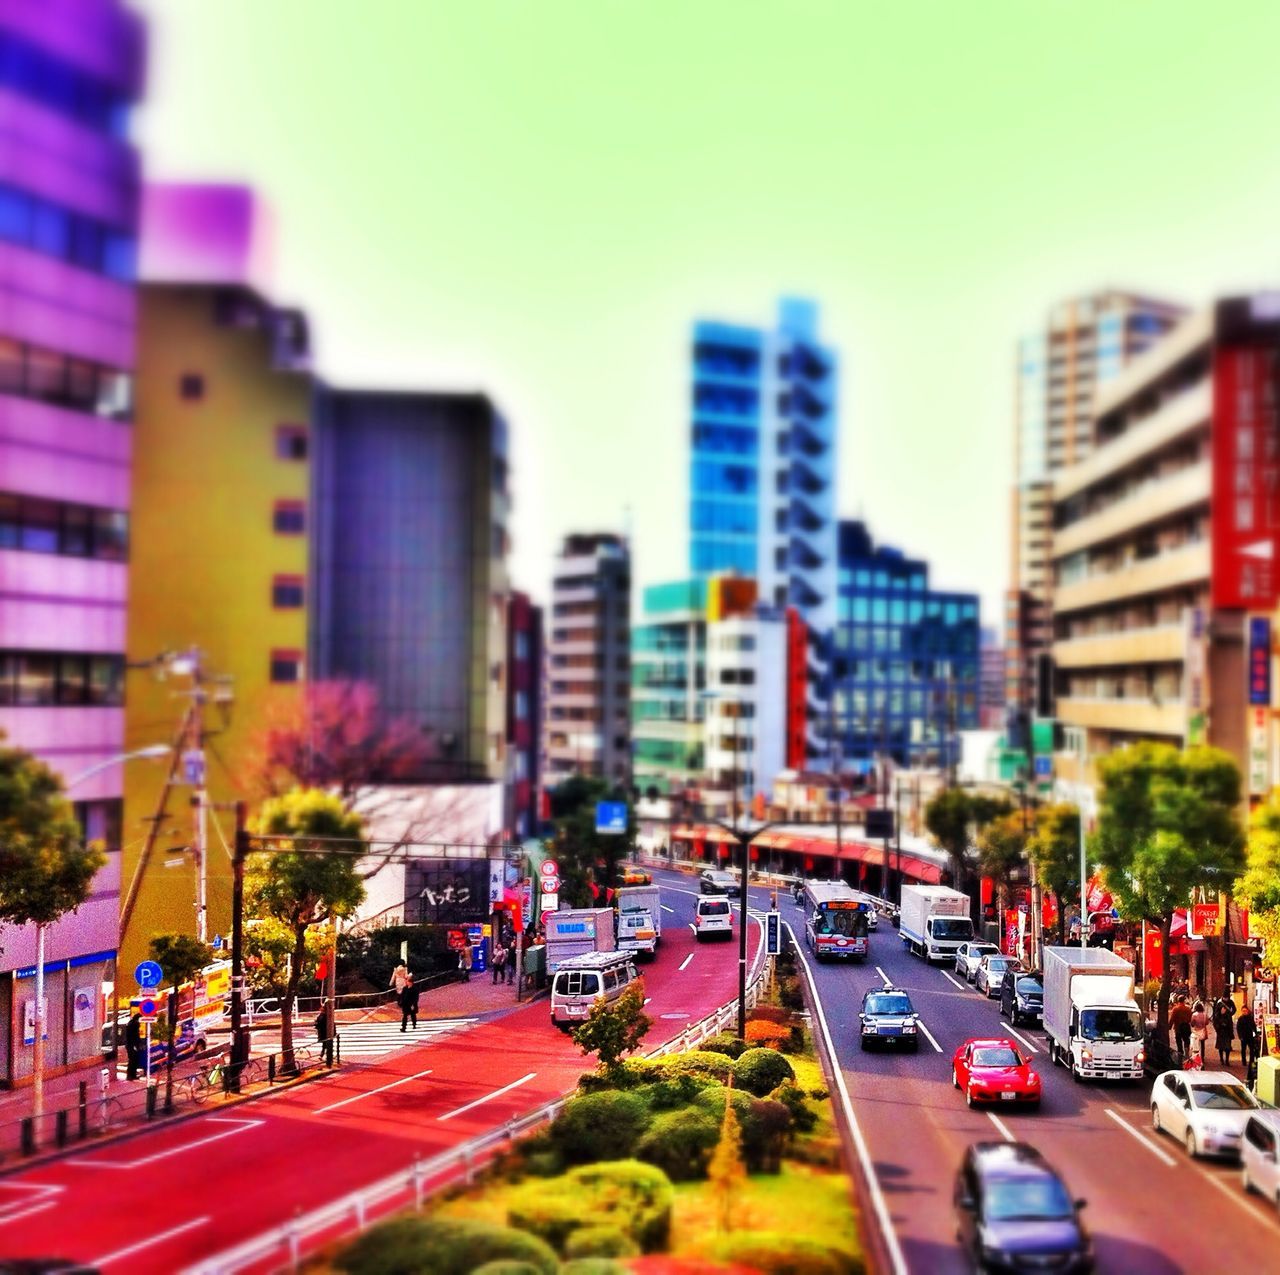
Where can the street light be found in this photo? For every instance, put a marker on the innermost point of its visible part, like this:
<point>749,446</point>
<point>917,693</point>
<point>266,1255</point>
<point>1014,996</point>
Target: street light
<point>1084,915</point>
<point>138,754</point>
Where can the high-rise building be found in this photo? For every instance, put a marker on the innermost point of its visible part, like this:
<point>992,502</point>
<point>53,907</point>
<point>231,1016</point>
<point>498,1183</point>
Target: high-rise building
<point>762,470</point>
<point>588,706</point>
<point>524,714</point>
<point>69,74</point>
<point>1166,543</point>
<point>1087,342</point>
<point>991,715</point>
<point>906,666</point>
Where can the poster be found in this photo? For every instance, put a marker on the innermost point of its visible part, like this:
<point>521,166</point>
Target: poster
<point>83,1015</point>
<point>29,1020</point>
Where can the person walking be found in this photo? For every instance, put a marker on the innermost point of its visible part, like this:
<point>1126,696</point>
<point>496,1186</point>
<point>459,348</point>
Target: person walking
<point>409,1004</point>
<point>464,963</point>
<point>322,1035</point>
<point>1224,1012</point>
<point>1180,1021</point>
<point>513,955</point>
<point>399,977</point>
<point>133,1046</point>
<point>1247,1031</point>
<point>499,961</point>
<point>1199,1030</point>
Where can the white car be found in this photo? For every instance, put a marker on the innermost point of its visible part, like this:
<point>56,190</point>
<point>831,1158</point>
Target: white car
<point>713,917</point>
<point>1206,1110</point>
<point>991,971</point>
<point>1259,1152</point>
<point>969,954</point>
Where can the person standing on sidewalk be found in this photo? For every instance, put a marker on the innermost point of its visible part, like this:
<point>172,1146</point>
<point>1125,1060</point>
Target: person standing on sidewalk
<point>1180,1021</point>
<point>1199,1029</point>
<point>133,1046</point>
<point>1224,1012</point>
<point>513,955</point>
<point>409,1004</point>
<point>1247,1030</point>
<point>499,960</point>
<point>322,1035</point>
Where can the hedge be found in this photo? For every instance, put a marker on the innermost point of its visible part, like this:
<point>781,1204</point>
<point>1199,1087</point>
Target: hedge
<point>599,1241</point>
<point>762,1032</point>
<point>765,1126</point>
<point>699,1062</point>
<point>680,1143</point>
<point>761,1071</point>
<point>593,1266</point>
<point>803,1116</point>
<point>770,1014</point>
<point>444,1246</point>
<point>724,1043</point>
<point>505,1266</point>
<point>600,1126</point>
<point>772,1253</point>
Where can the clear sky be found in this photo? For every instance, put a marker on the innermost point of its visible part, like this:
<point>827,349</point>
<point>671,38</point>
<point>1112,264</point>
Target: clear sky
<point>538,198</point>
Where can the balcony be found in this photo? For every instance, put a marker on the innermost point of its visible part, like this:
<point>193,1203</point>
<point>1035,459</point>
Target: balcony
<point>1131,716</point>
<point>1164,643</point>
<point>1175,569</point>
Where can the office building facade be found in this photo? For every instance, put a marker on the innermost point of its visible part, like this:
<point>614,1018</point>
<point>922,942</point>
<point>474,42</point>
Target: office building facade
<point>69,206</point>
<point>524,715</point>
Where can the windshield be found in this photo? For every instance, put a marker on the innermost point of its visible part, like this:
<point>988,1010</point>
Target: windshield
<point>951,927</point>
<point>1110,1024</point>
<point>1029,987</point>
<point>1222,1097</point>
<point>888,1005</point>
<point>847,922</point>
<point>996,1058</point>
<point>717,907</point>
<point>1028,1200</point>
<point>997,964</point>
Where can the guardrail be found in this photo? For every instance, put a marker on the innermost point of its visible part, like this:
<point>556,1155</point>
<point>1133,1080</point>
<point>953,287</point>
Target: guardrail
<point>355,1212</point>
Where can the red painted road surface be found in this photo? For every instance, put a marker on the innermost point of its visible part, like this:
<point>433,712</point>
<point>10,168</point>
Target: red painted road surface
<point>170,1198</point>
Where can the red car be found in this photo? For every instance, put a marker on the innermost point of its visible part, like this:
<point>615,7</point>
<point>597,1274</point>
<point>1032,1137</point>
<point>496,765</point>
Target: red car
<point>994,1071</point>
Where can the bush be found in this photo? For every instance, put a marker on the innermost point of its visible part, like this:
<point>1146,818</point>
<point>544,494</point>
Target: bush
<point>765,1125</point>
<point>772,1253</point>
<point>599,1126</point>
<point>599,1241</point>
<point>761,1071</point>
<point>789,992</point>
<point>700,1062</point>
<point>803,1117</point>
<point>679,1091</point>
<point>632,1197</point>
<point>766,1034</point>
<point>680,1143</point>
<point>795,1041</point>
<point>444,1246</point>
<point>724,1043</point>
<point>770,1014</point>
<point>506,1267</point>
<point>593,1266</point>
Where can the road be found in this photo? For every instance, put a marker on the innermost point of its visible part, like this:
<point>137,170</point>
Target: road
<point>177,1195</point>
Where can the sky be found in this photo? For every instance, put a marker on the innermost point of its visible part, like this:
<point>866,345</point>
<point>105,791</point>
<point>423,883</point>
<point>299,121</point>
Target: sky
<point>537,200</point>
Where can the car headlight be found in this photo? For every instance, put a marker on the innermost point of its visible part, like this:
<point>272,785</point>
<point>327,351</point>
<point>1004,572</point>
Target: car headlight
<point>1033,1079</point>
<point>908,1027</point>
<point>1086,1055</point>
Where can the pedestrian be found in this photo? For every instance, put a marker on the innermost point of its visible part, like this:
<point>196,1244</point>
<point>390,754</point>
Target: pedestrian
<point>1247,1031</point>
<point>133,1045</point>
<point>499,961</point>
<point>399,977</point>
<point>409,1004</point>
<point>1199,1029</point>
<point>464,963</point>
<point>513,955</point>
<point>322,1035</point>
<point>1224,1012</point>
<point>1180,1021</point>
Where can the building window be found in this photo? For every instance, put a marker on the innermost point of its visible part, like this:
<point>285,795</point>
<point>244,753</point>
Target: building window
<point>34,679</point>
<point>287,592</point>
<point>286,666</point>
<point>75,531</point>
<point>291,442</point>
<point>46,227</point>
<point>191,387</point>
<point>290,517</point>
<point>522,705</point>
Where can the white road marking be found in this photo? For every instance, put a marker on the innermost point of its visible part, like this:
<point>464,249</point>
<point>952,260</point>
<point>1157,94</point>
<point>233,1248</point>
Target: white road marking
<point>46,1193</point>
<point>954,981</point>
<point>130,1249</point>
<point>1247,1202</point>
<point>27,1212</point>
<point>685,962</point>
<point>859,1142</point>
<point>647,999</point>
<point>928,1035</point>
<point>664,907</point>
<point>1005,1132</point>
<point>404,1080</point>
<point>183,1149</point>
<point>1017,1035</point>
<point>1159,1152</point>
<point>497,1093</point>
<point>888,982</point>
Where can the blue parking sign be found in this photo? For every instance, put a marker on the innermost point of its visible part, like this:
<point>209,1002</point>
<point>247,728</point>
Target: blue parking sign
<point>611,818</point>
<point>1044,767</point>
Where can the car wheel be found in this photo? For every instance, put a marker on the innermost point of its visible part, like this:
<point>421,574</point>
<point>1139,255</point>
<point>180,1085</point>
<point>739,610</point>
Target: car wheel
<point>1192,1149</point>
<point>1245,1182</point>
<point>955,1079</point>
<point>1013,1017</point>
<point>1155,1119</point>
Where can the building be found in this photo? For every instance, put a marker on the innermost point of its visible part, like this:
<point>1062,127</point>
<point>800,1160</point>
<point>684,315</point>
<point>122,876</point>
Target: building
<point>1166,538</point>
<point>69,182</point>
<point>588,705</point>
<point>906,663</point>
<point>1087,342</point>
<point>990,679</point>
<point>524,714</point>
<point>762,499</point>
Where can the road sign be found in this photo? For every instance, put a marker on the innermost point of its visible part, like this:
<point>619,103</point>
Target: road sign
<point>1044,767</point>
<point>193,767</point>
<point>148,974</point>
<point>548,913</point>
<point>550,885</point>
<point>149,1005</point>
<point>217,941</point>
<point>549,868</point>
<point>773,933</point>
<point>611,818</point>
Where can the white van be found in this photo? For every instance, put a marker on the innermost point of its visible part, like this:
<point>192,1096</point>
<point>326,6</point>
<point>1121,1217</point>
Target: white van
<point>1260,1155</point>
<point>582,980</point>
<point>713,916</point>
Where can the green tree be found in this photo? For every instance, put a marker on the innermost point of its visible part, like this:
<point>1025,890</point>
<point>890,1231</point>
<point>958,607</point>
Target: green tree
<point>1054,847</point>
<point>611,1030</point>
<point>726,1173</point>
<point>952,817</point>
<point>1259,886</point>
<point>46,870</point>
<point>1168,826</point>
<point>1002,851</point>
<point>181,956</point>
<point>304,880</point>
<point>588,861</point>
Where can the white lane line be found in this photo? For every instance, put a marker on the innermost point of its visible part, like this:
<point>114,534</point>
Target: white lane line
<point>955,982</point>
<point>664,907</point>
<point>130,1249</point>
<point>1017,1035</point>
<point>928,1034</point>
<point>888,982</point>
<point>27,1212</point>
<point>1005,1132</point>
<point>647,999</point>
<point>859,1142</point>
<point>684,964</point>
<point>497,1093</point>
<point>1247,1202</point>
<point>184,1148</point>
<point>404,1080</point>
<point>1159,1152</point>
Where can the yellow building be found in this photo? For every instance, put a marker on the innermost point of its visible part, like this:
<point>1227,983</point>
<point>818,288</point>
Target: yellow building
<point>219,563</point>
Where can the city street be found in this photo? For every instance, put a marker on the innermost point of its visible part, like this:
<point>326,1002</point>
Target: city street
<point>177,1195</point>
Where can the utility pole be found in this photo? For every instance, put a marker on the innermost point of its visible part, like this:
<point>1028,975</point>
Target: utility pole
<point>239,1038</point>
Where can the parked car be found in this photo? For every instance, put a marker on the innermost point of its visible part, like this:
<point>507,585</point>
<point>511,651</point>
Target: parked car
<point>1021,997</point>
<point>717,881</point>
<point>713,918</point>
<point>1259,1155</point>
<point>994,1071</point>
<point>1014,1213</point>
<point>969,954</point>
<point>1206,1110</point>
<point>991,972</point>
<point>889,1018</point>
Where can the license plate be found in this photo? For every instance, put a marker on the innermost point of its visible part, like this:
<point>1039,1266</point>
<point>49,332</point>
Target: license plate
<point>1008,1096</point>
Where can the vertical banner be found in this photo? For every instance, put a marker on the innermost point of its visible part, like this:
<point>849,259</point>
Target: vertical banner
<point>1195,682</point>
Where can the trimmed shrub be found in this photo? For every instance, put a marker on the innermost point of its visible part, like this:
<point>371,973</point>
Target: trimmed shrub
<point>772,1253</point>
<point>506,1267</point>
<point>761,1071</point>
<point>444,1246</point>
<point>770,1014</point>
<point>700,1062</point>
<point>680,1143</point>
<point>803,1117</point>
<point>679,1091</point>
<point>724,1043</point>
<point>599,1241</point>
<point>766,1034</point>
<point>765,1125</point>
<point>795,1040</point>
<point>600,1126</point>
<point>593,1266</point>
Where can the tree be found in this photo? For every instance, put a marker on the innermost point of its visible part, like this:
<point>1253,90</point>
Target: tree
<point>1054,847</point>
<point>46,870</point>
<point>1002,850</point>
<point>579,848</point>
<point>726,1173</point>
<point>951,817</point>
<point>611,1030</point>
<point>181,956</point>
<point>1259,886</point>
<point>1168,826</point>
<point>302,881</point>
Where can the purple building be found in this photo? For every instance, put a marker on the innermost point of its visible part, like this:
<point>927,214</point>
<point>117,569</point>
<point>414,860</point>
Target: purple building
<point>69,191</point>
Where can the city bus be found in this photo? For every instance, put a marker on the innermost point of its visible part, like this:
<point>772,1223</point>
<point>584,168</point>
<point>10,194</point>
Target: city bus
<point>835,921</point>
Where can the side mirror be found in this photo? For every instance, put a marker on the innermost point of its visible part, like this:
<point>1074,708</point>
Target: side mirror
<point>1081,1203</point>
<point>966,1202</point>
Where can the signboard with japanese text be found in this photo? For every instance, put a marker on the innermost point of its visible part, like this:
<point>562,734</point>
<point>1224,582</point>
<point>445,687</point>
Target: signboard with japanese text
<point>1259,752</point>
<point>29,1020</point>
<point>1195,676</point>
<point>1259,661</point>
<point>1204,920</point>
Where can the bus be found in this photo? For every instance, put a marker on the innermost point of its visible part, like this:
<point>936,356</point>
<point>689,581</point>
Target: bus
<point>835,921</point>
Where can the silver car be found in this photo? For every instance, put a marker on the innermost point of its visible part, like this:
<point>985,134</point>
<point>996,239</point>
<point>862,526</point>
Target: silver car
<point>968,955</point>
<point>991,971</point>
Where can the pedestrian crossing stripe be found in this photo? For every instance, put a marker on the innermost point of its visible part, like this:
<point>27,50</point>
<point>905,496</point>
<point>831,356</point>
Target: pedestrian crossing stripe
<point>373,1039</point>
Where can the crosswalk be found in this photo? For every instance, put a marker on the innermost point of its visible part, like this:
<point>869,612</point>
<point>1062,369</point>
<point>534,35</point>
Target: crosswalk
<point>372,1040</point>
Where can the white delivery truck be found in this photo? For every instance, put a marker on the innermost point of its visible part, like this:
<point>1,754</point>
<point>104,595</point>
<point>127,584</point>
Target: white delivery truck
<point>934,921</point>
<point>639,919</point>
<point>576,931</point>
<point>1090,1016</point>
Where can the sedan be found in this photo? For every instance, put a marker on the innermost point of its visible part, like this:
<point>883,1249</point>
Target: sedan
<point>969,954</point>
<point>1022,996</point>
<point>716,881</point>
<point>991,972</point>
<point>889,1018</point>
<point>629,874</point>
<point>1206,1110</point>
<point>994,1071</point>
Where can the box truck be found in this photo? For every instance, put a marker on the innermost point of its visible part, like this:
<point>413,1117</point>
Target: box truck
<point>577,931</point>
<point>1090,1016</point>
<point>934,921</point>
<point>639,919</point>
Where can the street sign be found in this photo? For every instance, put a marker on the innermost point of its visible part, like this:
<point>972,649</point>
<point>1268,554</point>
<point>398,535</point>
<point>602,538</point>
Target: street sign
<point>773,933</point>
<point>148,974</point>
<point>548,913</point>
<point>551,885</point>
<point>193,768</point>
<point>1044,767</point>
<point>148,1006</point>
<point>217,941</point>
<point>549,868</point>
<point>611,818</point>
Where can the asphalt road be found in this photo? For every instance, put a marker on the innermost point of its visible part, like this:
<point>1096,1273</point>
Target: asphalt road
<point>178,1195</point>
